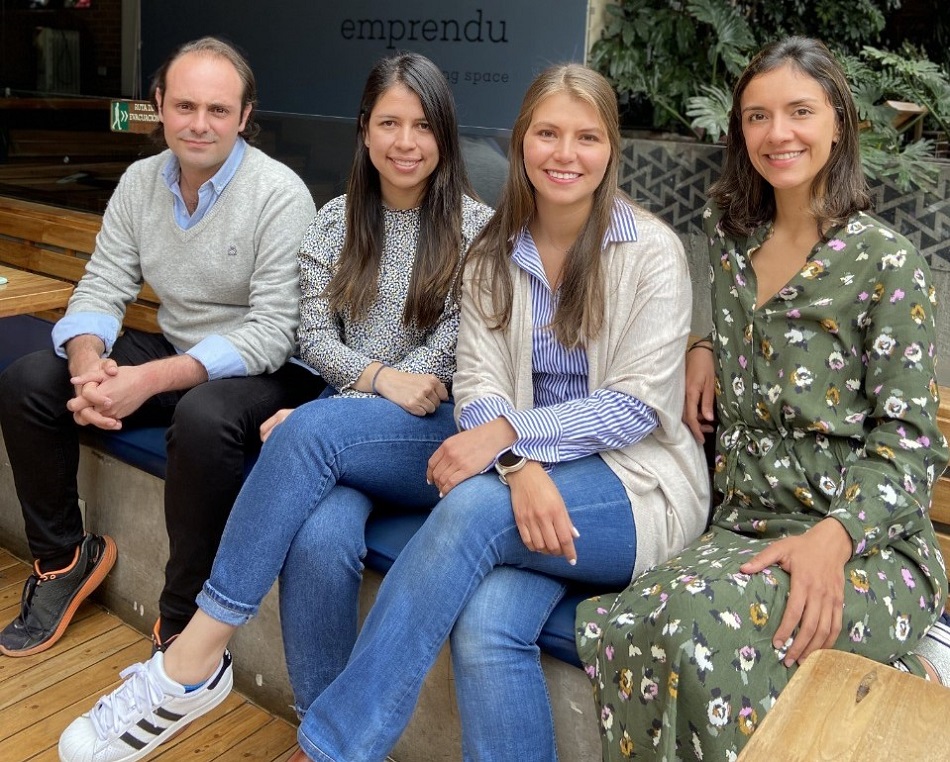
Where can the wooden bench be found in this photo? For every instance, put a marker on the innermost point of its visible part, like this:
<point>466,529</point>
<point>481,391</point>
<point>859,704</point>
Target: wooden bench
<point>58,243</point>
<point>840,706</point>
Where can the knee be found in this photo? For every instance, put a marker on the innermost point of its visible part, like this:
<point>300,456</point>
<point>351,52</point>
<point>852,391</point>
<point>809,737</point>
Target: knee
<point>42,373</point>
<point>666,619</point>
<point>473,502</point>
<point>313,430</point>
<point>206,423</point>
<point>200,408</point>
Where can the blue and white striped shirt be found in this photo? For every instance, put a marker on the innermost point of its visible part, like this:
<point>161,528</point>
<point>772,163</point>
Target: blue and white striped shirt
<point>568,421</point>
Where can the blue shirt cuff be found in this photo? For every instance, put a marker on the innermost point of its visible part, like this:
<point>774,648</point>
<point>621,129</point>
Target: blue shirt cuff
<point>97,324</point>
<point>219,357</point>
<point>483,410</point>
<point>538,433</point>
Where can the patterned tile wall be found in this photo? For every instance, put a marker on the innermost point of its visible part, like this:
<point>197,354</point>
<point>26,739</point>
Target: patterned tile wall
<point>670,178</point>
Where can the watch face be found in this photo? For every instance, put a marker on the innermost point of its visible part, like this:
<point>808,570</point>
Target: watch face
<point>508,459</point>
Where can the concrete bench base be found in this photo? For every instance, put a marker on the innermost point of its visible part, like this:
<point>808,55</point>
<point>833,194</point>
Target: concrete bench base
<point>126,503</point>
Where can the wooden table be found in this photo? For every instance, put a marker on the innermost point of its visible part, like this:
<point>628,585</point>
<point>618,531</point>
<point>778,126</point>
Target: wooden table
<point>27,292</point>
<point>846,708</point>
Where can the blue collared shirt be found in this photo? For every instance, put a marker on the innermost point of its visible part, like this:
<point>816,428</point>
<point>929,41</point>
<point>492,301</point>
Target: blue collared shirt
<point>218,355</point>
<point>568,421</point>
<point>210,190</point>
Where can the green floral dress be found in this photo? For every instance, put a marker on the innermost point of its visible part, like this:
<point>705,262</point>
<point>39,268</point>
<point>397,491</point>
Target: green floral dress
<point>827,404</point>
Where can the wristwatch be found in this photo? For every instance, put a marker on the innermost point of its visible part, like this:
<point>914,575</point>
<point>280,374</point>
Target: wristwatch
<point>508,463</point>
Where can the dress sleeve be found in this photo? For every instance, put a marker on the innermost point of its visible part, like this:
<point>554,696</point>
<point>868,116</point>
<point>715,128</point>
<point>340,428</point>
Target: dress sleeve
<point>886,492</point>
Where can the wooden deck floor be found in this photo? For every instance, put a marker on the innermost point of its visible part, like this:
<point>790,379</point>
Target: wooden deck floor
<point>40,695</point>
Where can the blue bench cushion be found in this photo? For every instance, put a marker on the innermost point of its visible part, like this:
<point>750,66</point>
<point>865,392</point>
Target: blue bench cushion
<point>20,335</point>
<point>143,448</point>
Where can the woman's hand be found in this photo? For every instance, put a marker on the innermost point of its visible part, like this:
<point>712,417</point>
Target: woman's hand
<point>699,409</point>
<point>416,393</point>
<point>815,562</point>
<point>540,513</point>
<point>267,428</point>
<point>467,453</point>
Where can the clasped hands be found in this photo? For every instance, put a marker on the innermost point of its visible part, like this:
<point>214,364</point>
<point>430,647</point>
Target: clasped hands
<point>106,393</point>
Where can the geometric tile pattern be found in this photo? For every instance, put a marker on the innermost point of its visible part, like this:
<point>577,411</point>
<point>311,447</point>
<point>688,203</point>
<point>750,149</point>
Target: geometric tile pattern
<point>670,179</point>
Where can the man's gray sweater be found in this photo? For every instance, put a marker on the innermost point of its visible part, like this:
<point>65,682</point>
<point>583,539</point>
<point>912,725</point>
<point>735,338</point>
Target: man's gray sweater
<point>233,275</point>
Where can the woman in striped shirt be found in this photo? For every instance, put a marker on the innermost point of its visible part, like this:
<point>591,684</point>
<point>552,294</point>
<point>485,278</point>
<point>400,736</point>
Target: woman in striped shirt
<point>575,314</point>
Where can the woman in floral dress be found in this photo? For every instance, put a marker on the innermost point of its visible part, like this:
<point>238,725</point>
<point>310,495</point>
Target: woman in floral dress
<point>822,362</point>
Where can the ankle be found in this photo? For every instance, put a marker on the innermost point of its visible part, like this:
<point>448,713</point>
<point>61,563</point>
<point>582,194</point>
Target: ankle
<point>195,654</point>
<point>60,563</point>
<point>190,668</point>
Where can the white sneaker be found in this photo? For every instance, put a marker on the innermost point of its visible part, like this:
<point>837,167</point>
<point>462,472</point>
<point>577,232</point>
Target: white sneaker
<point>142,713</point>
<point>935,648</point>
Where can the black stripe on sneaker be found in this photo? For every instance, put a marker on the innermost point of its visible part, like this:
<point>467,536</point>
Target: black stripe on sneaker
<point>939,637</point>
<point>150,728</point>
<point>225,663</point>
<point>132,741</point>
<point>166,715</point>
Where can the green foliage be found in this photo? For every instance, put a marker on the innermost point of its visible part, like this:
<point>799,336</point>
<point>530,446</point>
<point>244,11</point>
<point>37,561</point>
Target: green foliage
<point>878,76</point>
<point>710,112</point>
<point>683,56</point>
<point>661,51</point>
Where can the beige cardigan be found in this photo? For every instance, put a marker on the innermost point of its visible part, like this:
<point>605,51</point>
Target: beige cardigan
<point>640,352</point>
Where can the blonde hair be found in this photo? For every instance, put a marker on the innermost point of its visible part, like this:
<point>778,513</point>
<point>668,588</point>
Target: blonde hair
<point>579,315</point>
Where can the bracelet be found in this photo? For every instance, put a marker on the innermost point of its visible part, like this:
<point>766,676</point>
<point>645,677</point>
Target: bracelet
<point>701,345</point>
<point>376,375</point>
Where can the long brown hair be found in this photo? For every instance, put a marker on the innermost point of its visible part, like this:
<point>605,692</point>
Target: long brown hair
<point>353,287</point>
<point>579,315</point>
<point>838,190</point>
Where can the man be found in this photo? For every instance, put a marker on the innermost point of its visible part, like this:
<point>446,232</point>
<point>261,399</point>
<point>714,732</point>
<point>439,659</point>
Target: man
<point>213,225</point>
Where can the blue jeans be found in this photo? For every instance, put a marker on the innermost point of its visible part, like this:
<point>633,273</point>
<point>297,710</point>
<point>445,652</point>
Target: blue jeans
<point>472,531</point>
<point>502,695</point>
<point>319,592</point>
<point>303,511</point>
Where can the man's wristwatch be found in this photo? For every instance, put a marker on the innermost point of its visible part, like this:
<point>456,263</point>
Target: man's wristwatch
<point>508,463</point>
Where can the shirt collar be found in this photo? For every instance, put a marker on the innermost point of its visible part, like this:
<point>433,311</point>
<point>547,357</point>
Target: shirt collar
<point>172,169</point>
<point>622,228</point>
<point>623,223</point>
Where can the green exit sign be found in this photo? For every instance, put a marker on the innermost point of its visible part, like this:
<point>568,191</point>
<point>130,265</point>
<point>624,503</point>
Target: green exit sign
<point>132,116</point>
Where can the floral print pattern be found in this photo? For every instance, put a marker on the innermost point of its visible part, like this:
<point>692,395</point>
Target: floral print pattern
<point>827,406</point>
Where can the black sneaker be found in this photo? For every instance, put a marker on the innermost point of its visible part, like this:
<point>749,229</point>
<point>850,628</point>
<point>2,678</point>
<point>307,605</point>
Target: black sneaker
<point>50,600</point>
